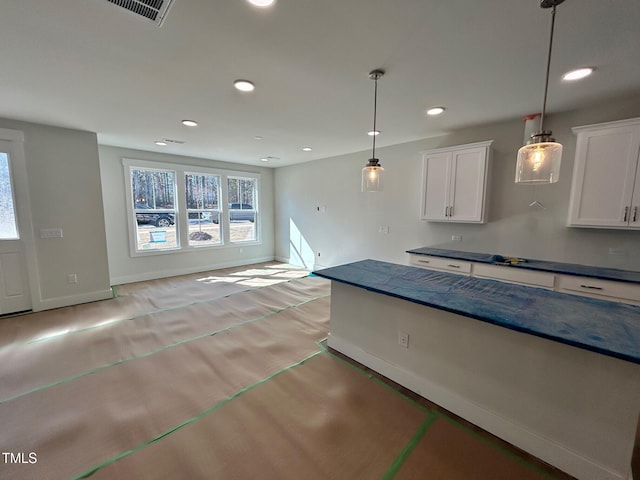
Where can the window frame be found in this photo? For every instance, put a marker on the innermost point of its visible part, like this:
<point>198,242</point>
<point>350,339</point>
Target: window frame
<point>180,207</point>
<point>212,211</point>
<point>131,209</point>
<point>254,210</point>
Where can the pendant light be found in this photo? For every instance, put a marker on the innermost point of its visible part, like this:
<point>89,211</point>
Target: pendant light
<point>373,171</point>
<point>539,160</point>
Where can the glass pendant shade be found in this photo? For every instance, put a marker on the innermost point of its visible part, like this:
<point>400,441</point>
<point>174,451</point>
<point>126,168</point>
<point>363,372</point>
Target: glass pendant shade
<point>373,171</point>
<point>539,163</point>
<point>372,176</point>
<point>539,160</point>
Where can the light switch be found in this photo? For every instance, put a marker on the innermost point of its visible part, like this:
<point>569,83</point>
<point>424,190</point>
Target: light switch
<point>50,233</point>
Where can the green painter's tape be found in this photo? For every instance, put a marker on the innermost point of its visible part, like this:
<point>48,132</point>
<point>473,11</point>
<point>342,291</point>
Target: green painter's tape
<point>128,319</point>
<point>112,460</point>
<point>495,446</point>
<point>409,447</point>
<point>158,350</point>
<point>321,346</point>
<point>114,289</point>
<point>375,379</point>
<point>433,415</point>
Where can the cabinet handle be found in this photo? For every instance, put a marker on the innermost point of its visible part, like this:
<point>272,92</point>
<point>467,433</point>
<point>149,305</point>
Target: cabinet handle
<point>424,261</point>
<point>453,265</point>
<point>451,211</point>
<point>446,211</point>
<point>635,213</point>
<point>626,213</point>
<point>591,287</point>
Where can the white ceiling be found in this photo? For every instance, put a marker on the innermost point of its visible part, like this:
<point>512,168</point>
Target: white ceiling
<point>94,66</point>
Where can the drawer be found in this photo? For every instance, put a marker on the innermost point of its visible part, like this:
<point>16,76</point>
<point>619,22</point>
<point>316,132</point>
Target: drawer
<point>442,264</point>
<point>605,289</point>
<point>515,275</point>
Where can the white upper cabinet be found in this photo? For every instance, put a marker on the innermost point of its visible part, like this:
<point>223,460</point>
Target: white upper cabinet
<point>455,183</point>
<point>605,191</point>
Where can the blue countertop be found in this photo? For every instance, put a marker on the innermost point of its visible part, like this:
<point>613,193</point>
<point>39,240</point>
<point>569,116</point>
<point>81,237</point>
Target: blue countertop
<point>529,264</point>
<point>604,327</point>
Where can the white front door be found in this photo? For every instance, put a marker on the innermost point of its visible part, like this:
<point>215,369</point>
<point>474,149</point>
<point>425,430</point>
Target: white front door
<point>15,294</point>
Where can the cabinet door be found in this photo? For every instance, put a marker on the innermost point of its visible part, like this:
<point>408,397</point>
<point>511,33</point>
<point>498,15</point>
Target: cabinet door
<point>468,185</point>
<point>604,177</point>
<point>435,192</point>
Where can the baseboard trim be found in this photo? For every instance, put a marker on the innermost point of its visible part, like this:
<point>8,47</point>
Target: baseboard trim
<point>142,277</point>
<point>58,302</point>
<point>543,448</point>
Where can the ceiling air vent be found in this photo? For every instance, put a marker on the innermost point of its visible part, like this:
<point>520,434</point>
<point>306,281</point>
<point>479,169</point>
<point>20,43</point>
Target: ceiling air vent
<point>153,10</point>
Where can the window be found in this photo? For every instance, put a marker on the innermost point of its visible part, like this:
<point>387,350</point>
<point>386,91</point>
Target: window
<point>203,209</point>
<point>174,208</point>
<point>154,193</point>
<point>8,229</point>
<point>242,209</point>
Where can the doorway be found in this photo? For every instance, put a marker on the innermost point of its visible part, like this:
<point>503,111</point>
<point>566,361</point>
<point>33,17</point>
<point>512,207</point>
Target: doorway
<point>15,294</point>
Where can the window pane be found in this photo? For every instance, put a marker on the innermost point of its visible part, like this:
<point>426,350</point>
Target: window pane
<point>8,229</point>
<point>203,208</point>
<point>242,194</point>
<point>154,193</point>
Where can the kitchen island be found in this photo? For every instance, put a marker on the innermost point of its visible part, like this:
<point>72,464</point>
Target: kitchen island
<point>555,374</point>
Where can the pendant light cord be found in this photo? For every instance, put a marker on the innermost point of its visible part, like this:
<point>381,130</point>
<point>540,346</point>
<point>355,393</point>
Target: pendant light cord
<point>375,109</point>
<point>546,83</point>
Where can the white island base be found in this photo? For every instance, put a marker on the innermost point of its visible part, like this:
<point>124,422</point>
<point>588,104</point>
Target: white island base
<point>570,407</point>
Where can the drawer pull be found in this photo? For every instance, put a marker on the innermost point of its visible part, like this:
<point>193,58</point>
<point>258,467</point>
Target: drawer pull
<point>424,261</point>
<point>453,265</point>
<point>591,287</point>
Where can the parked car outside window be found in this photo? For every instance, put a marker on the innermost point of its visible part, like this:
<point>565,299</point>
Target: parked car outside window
<point>236,213</point>
<point>159,219</point>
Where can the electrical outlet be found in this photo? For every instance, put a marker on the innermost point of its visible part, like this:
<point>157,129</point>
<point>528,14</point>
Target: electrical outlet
<point>72,278</point>
<point>403,339</point>
<point>456,238</point>
<point>617,251</point>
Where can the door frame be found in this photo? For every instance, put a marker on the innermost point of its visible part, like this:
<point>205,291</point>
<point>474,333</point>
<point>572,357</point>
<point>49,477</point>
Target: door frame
<point>18,166</point>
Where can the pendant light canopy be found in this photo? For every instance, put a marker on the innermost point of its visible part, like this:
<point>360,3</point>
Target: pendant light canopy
<point>539,160</point>
<point>373,171</point>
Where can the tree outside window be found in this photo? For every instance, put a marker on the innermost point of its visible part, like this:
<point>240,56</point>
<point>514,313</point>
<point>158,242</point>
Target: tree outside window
<point>242,213</point>
<point>154,194</point>
<point>203,209</point>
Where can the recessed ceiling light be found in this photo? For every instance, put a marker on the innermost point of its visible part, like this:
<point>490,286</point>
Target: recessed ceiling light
<point>161,144</point>
<point>262,3</point>
<point>371,133</point>
<point>244,85</point>
<point>577,74</point>
<point>435,111</point>
<point>306,149</point>
<point>264,159</point>
<point>257,137</point>
<point>190,123</point>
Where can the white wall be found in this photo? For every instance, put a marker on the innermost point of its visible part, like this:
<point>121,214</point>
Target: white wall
<point>124,268</point>
<point>64,185</point>
<point>348,229</point>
